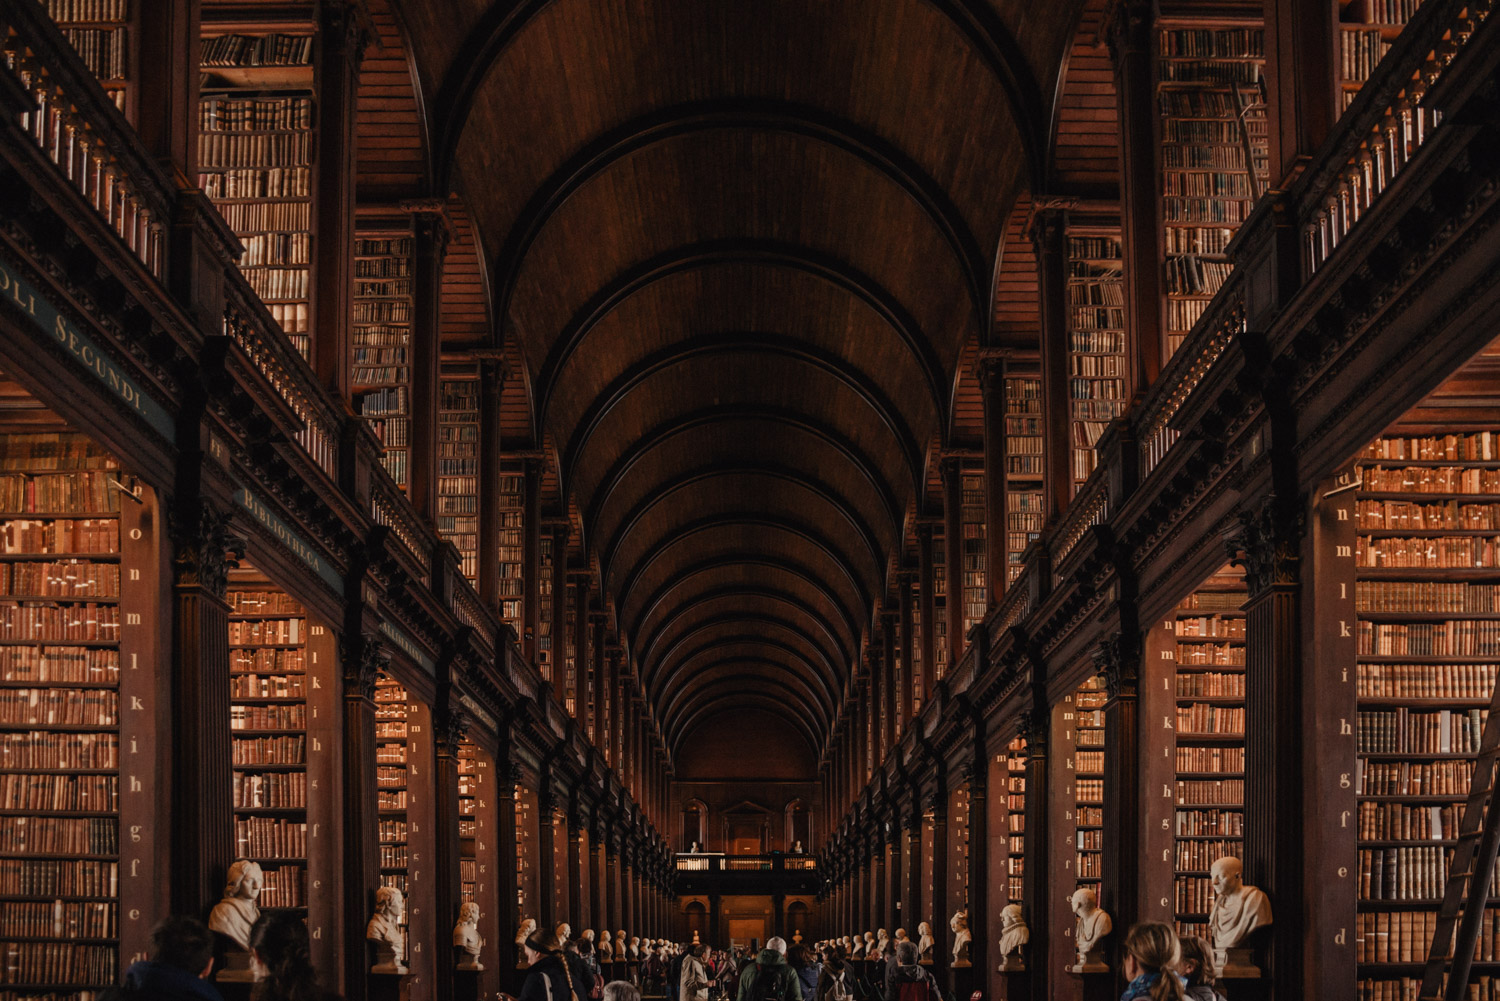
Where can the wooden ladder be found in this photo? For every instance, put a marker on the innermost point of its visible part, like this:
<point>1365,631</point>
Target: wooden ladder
<point>1465,896</point>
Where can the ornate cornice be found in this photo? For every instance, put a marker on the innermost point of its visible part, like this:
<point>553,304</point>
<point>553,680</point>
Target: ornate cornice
<point>206,550</point>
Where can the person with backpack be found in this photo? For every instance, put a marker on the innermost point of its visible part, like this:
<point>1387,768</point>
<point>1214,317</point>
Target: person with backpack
<point>769,978</point>
<point>801,962</point>
<point>836,979</point>
<point>910,982</point>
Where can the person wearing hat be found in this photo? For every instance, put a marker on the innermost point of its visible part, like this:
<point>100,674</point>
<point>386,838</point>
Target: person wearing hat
<point>552,974</point>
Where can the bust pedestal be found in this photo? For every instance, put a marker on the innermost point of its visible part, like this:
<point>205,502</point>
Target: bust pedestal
<point>1241,980</point>
<point>234,968</point>
<point>961,978</point>
<point>385,986</point>
<point>1098,983</point>
<point>1017,977</point>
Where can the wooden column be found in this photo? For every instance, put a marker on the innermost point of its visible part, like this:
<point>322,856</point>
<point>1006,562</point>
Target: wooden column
<point>339,49</point>
<point>915,913</point>
<point>890,697</point>
<point>579,593</point>
<point>559,625</point>
<point>492,373</point>
<point>507,845</point>
<point>926,581</point>
<point>598,873</point>
<point>614,913</point>
<point>1155,761</point>
<point>941,850</point>
<point>1037,878</point>
<point>170,34</point>
<point>546,853</point>
<point>1057,833</point>
<point>364,658</point>
<point>449,725</point>
<point>976,898</point>
<point>576,843</point>
<point>953,549</point>
<point>1118,660</point>
<point>895,886</point>
<point>531,557</point>
<point>601,724</point>
<point>875,693</point>
<point>879,904</point>
<point>908,647</point>
<point>430,231</point>
<point>991,377</point>
<point>1130,34</point>
<point>202,838</point>
<point>1302,81</point>
<point>1049,236</point>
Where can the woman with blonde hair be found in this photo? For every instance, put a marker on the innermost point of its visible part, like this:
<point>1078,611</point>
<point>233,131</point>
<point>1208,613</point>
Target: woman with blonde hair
<point>1151,955</point>
<point>1196,967</point>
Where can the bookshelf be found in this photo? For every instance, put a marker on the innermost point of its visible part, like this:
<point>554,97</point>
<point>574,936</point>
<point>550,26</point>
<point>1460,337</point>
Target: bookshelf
<point>1024,437</point>
<point>527,819</point>
<point>99,31</point>
<point>458,470</point>
<point>939,605</point>
<point>381,335</point>
<point>268,721</point>
<point>546,657</point>
<point>1214,154</point>
<point>1210,742</point>
<point>1088,782</point>
<point>1014,761</point>
<point>971,517</point>
<point>62,732</point>
<point>256,119</point>
<point>1427,582</point>
<point>1096,340</point>
<point>512,551</point>
<point>1367,29</point>
<point>392,785</point>
<point>571,654</point>
<point>468,821</point>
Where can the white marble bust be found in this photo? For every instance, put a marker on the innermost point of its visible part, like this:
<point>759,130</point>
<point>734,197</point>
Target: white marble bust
<point>466,937</point>
<point>1093,924</point>
<point>1237,911</point>
<point>236,913</point>
<point>1014,933</point>
<point>635,947</point>
<point>524,932</point>
<point>384,930</point>
<point>564,932</point>
<point>858,952</point>
<point>924,940</point>
<point>606,948</point>
<point>882,944</point>
<point>960,925</point>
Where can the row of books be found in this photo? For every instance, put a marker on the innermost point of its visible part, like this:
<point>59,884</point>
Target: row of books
<point>73,793</point>
<point>1447,552</point>
<point>1426,681</point>
<point>63,11</point>
<point>1210,626</point>
<point>1429,479</point>
<point>83,492</point>
<point>60,536</point>
<point>58,919</point>
<point>1210,654</point>
<point>105,51</point>
<point>1432,516</point>
<point>391,831</point>
<point>257,631</point>
<point>267,217</point>
<point>1207,184</point>
<point>1404,936</point>
<point>1360,52</point>
<point>1210,792</point>
<point>285,886</point>
<point>288,717</point>
<point>1212,43</point>
<point>1090,866</point>
<point>381,311</point>
<point>268,661</point>
<point>269,751</point>
<point>1202,132</point>
<point>1414,778</point>
<point>1211,684</point>
<point>1183,314</point>
<point>1227,760</point>
<point>1483,988</point>
<point>1190,274</point>
<point>254,149</point>
<point>1184,209</point>
<point>1400,822</point>
<point>1449,638</point>
<point>1209,823</point>
<point>391,799</point>
<point>276,249</point>
<point>56,878</point>
<point>60,664</point>
<point>254,114</point>
<point>1425,596</point>
<point>277,283</point>
<point>1198,856</point>
<point>393,856</point>
<point>285,686</point>
<point>377,375</point>
<point>264,837</point>
<point>81,622</point>
<point>1476,446</point>
<point>60,836</point>
<point>256,50</point>
<point>1199,239</point>
<point>59,707</point>
<point>257,182</point>
<point>60,579</point>
<point>1415,873</point>
<point>61,963</point>
<point>1200,717</point>
<point>394,754</point>
<point>1406,731</point>
<point>1192,894</point>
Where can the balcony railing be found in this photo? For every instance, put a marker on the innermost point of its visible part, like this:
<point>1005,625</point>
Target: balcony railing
<point>774,862</point>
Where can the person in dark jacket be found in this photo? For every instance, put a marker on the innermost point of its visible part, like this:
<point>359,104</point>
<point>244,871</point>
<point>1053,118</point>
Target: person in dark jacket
<point>769,978</point>
<point>908,972</point>
<point>182,955</point>
<point>553,975</point>
<point>800,959</point>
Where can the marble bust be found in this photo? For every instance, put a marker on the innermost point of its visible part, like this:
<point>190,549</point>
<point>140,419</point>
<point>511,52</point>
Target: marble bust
<point>960,925</point>
<point>635,947</point>
<point>466,940</point>
<point>1093,925</point>
<point>384,930</point>
<point>870,945</point>
<point>621,946</point>
<point>1237,911</point>
<point>924,941</point>
<point>234,915</point>
<point>858,952</point>
<point>564,932</point>
<point>524,932</point>
<point>1013,934</point>
<point>606,948</point>
<point>882,943</point>
<point>901,936</point>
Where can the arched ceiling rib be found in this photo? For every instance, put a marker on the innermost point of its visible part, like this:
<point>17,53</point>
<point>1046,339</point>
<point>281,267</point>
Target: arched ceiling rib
<point>738,252</point>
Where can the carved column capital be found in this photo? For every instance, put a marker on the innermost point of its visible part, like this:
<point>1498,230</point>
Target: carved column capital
<point>205,549</point>
<point>1270,539</point>
<point>364,662</point>
<point>1119,665</point>
<point>452,727</point>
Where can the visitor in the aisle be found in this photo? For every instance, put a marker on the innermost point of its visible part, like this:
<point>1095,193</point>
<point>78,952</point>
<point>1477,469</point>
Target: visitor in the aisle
<point>769,978</point>
<point>281,959</point>
<point>1151,956</point>
<point>836,979</point>
<point>694,985</point>
<point>552,974</point>
<point>182,955</point>
<point>1196,967</point>
<point>621,990</point>
<point>800,960</point>
<point>910,982</point>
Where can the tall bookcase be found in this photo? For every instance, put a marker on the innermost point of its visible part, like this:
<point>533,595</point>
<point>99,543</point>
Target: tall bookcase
<point>61,726</point>
<point>256,120</point>
<point>939,605</point>
<point>392,779</point>
<point>1427,596</point>
<point>1015,820</point>
<point>381,341</point>
<point>971,517</point>
<point>571,653</point>
<point>1367,28</point>
<point>1088,791</point>
<point>1024,437</point>
<point>99,30</point>
<point>1214,154</point>
<point>458,470</point>
<point>1096,340</point>
<point>468,821</point>
<point>918,696</point>
<point>512,551</point>
<point>1210,742</point>
<point>545,642</point>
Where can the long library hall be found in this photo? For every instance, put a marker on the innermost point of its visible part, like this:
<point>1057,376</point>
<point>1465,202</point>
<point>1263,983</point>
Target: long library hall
<point>583,500</point>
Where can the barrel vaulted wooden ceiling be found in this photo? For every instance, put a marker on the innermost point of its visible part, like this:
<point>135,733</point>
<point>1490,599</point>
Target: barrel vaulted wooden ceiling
<point>740,253</point>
